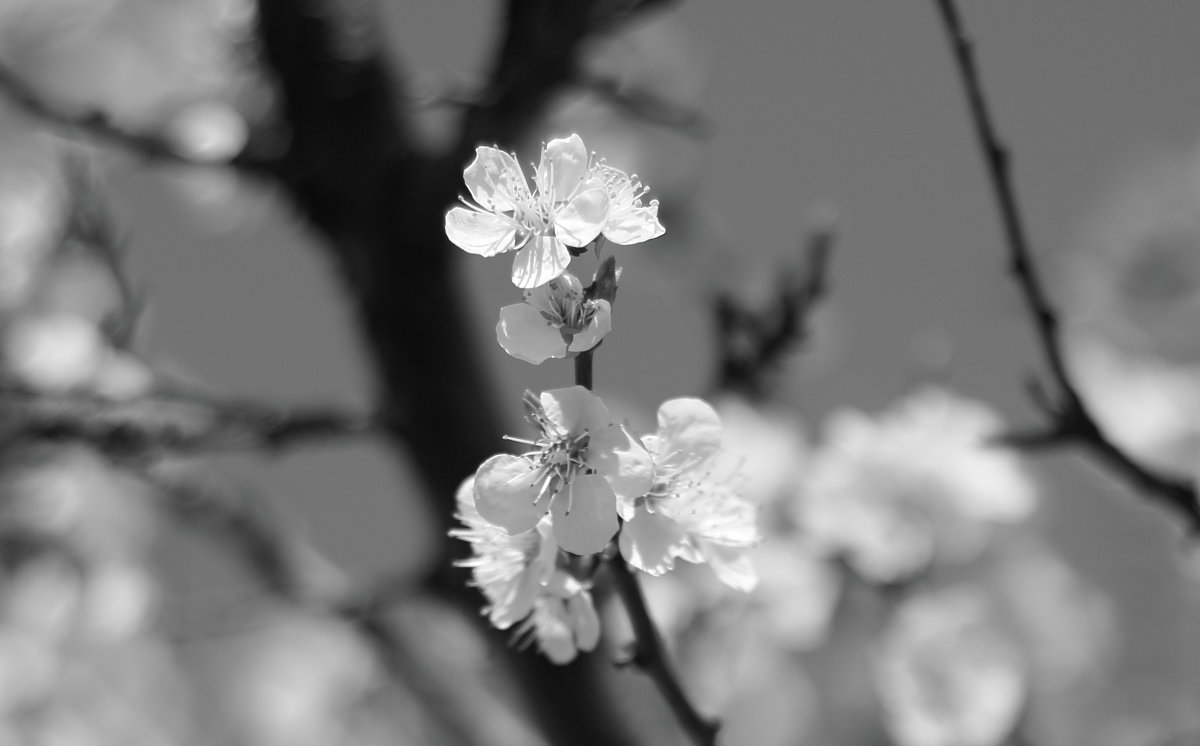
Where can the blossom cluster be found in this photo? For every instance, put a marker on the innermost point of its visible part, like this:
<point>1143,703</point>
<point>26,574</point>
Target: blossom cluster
<point>585,480</point>
<point>576,199</point>
<point>585,486</point>
<point>998,631</point>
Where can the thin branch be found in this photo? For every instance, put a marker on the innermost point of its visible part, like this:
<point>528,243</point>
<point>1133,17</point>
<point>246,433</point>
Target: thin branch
<point>650,656</point>
<point>171,425</point>
<point>99,126</point>
<point>752,342</point>
<point>1071,419</point>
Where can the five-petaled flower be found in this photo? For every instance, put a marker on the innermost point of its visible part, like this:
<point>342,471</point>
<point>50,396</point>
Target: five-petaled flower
<point>574,200</point>
<point>518,575</point>
<point>555,319</point>
<point>580,467</point>
<point>689,514</point>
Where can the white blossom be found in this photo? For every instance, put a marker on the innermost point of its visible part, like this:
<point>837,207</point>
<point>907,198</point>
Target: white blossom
<point>689,514</point>
<point>578,469</point>
<point>519,576</point>
<point>918,483</point>
<point>555,319</point>
<point>574,200</point>
<point>947,674</point>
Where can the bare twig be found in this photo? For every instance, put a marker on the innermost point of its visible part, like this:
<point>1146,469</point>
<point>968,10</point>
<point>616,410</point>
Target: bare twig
<point>649,655</point>
<point>1071,420</point>
<point>753,342</point>
<point>100,127</point>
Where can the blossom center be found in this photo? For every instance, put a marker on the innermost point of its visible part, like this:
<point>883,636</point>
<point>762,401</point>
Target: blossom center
<point>564,306</point>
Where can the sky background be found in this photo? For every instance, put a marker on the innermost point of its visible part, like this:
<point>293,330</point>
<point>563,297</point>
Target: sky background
<point>852,104</point>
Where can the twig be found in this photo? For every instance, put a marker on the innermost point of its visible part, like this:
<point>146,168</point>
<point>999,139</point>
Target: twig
<point>650,656</point>
<point>753,342</point>
<point>157,426</point>
<point>1071,419</point>
<point>100,126</point>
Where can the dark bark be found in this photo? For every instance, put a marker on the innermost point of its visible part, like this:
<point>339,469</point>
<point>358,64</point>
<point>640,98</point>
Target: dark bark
<point>350,168</point>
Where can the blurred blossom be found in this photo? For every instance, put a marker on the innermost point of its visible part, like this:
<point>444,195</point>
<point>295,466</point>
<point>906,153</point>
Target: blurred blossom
<point>1134,305</point>
<point>28,669</point>
<point>123,377</point>
<point>1067,626</point>
<point>135,59</point>
<point>797,594</point>
<point>119,601</point>
<point>208,131</point>
<point>1135,266</point>
<point>70,493</point>
<point>57,353</point>
<point>1145,404</point>
<point>767,450</point>
<point>219,200</point>
<point>78,284</point>
<point>42,598</point>
<point>295,679</point>
<point>947,675</point>
<point>916,484</point>
<point>31,207</point>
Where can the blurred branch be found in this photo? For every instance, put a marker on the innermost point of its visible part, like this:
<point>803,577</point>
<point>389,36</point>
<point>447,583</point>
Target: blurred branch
<point>450,711</point>
<point>537,58</point>
<point>649,107</point>
<point>649,655</point>
<point>1070,419</point>
<point>91,223</point>
<point>100,127</point>
<point>753,342</point>
<point>159,426</point>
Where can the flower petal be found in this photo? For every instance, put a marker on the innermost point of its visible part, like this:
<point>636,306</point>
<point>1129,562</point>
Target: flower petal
<point>495,180</point>
<point>600,325</point>
<point>651,542</point>
<point>555,637</point>
<point>481,233</point>
<point>563,165</point>
<point>584,515</point>
<point>689,431</point>
<point>506,493</point>
<point>542,259</point>
<point>620,459</point>
<point>634,225</point>
<point>525,334</point>
<point>583,218</point>
<point>576,410</point>
<point>585,623</point>
<point>733,567</point>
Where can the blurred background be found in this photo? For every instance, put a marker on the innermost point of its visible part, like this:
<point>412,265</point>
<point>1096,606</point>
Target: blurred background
<point>794,112</point>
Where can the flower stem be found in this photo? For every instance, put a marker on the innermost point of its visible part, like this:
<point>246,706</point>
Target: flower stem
<point>650,656</point>
<point>583,369</point>
<point>649,652</point>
